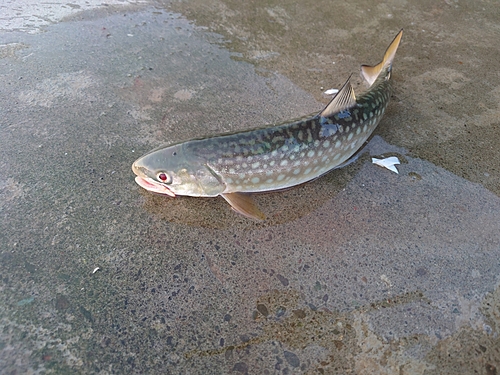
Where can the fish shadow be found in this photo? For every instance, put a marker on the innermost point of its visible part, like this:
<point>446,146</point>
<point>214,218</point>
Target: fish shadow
<point>279,207</point>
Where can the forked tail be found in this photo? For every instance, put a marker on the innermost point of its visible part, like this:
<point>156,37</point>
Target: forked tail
<point>370,73</point>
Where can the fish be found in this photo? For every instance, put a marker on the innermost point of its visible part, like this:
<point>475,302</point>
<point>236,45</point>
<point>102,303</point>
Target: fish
<point>273,157</point>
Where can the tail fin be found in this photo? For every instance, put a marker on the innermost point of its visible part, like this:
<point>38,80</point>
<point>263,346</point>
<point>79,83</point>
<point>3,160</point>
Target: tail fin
<point>370,73</point>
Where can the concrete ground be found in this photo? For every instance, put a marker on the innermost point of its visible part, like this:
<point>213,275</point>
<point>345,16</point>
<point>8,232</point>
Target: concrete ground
<point>362,271</point>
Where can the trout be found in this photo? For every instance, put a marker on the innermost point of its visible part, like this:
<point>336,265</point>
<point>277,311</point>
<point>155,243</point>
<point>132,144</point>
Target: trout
<point>272,157</point>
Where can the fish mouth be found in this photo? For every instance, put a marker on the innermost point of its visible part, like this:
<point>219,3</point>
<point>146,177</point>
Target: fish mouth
<point>153,186</point>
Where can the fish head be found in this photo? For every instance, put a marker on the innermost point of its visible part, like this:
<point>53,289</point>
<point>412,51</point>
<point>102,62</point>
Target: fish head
<point>169,171</point>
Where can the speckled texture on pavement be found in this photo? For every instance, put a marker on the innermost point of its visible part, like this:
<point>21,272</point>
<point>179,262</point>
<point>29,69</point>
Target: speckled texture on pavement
<point>362,271</point>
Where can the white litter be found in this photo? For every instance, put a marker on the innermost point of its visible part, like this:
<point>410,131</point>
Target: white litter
<point>386,280</point>
<point>331,91</point>
<point>388,163</point>
<point>95,270</point>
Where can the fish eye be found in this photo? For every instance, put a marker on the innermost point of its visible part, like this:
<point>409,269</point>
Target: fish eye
<point>164,177</point>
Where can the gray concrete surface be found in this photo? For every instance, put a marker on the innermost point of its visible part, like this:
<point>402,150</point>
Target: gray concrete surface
<point>362,271</point>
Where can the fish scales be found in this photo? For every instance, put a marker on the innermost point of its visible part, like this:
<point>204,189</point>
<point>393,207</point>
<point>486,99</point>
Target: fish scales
<point>273,157</point>
<point>289,154</point>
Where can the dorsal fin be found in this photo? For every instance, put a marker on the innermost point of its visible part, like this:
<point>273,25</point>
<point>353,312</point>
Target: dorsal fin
<point>370,73</point>
<point>344,99</point>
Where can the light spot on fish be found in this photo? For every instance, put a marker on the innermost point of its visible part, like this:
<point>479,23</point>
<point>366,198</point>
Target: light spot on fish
<point>365,116</point>
<point>292,157</point>
<point>296,171</point>
<point>326,143</point>
<point>232,171</point>
<point>349,137</point>
<point>269,181</point>
<point>255,180</point>
<point>284,148</point>
<point>274,153</point>
<point>336,157</point>
<point>284,163</point>
<point>358,130</point>
<point>229,180</point>
<point>307,171</point>
<point>280,177</point>
<point>255,165</point>
<point>241,175</point>
<point>239,158</point>
<point>238,187</point>
<point>269,173</point>
<point>271,163</point>
<point>244,165</point>
<point>316,143</point>
<point>324,158</point>
<point>320,152</point>
<point>310,154</point>
<point>365,128</point>
<point>338,144</point>
<point>309,136</point>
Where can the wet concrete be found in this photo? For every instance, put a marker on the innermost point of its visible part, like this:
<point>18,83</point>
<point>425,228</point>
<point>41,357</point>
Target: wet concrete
<point>361,271</point>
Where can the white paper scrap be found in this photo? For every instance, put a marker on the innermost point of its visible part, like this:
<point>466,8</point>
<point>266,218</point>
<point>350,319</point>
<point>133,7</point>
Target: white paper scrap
<point>388,163</point>
<point>331,91</point>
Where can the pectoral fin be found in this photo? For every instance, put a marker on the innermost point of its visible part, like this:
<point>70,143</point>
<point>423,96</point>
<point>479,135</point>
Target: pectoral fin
<point>243,204</point>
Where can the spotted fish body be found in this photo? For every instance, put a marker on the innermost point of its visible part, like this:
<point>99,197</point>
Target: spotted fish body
<point>283,156</point>
<point>274,157</point>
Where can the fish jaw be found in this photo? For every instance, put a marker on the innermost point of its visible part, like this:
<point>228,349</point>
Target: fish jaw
<point>151,185</point>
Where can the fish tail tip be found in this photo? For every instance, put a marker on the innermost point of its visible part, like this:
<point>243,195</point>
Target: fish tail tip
<point>370,73</point>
